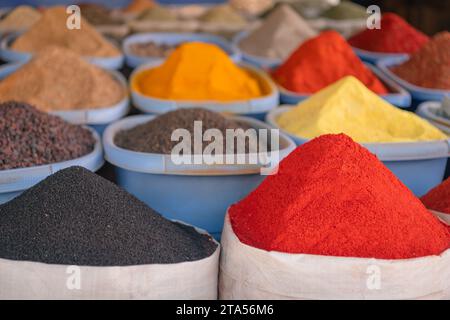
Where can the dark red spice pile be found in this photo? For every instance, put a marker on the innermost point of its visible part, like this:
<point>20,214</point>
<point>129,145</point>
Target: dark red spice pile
<point>430,66</point>
<point>333,197</point>
<point>29,137</point>
<point>438,199</point>
<point>395,36</point>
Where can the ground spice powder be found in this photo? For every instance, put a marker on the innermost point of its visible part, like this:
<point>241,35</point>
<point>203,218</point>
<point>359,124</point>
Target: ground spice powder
<point>438,199</point>
<point>19,19</point>
<point>59,79</point>
<point>430,66</point>
<point>333,197</point>
<point>279,35</point>
<point>395,36</point>
<point>223,14</point>
<point>137,6</point>
<point>251,7</point>
<point>347,106</point>
<point>198,71</point>
<point>322,60</point>
<point>51,29</point>
<point>157,13</point>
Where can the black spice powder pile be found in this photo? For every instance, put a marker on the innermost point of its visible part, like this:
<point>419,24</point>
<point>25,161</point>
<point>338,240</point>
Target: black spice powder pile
<point>29,137</point>
<point>155,136</point>
<point>75,217</point>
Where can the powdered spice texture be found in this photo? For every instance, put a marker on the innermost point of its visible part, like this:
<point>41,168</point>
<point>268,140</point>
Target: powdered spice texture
<point>75,217</point>
<point>29,137</point>
<point>52,29</point>
<point>394,36</point>
<point>321,61</point>
<point>279,35</point>
<point>59,79</point>
<point>333,197</point>
<point>438,199</point>
<point>429,67</point>
<point>198,71</point>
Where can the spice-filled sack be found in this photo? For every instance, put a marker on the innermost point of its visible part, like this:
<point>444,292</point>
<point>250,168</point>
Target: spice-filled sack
<point>78,236</point>
<point>250,273</point>
<point>19,19</point>
<point>333,223</point>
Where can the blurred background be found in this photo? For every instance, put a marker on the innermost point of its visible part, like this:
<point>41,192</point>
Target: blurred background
<point>430,16</point>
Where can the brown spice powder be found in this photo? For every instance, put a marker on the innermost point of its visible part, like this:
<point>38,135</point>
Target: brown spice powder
<point>59,79</point>
<point>51,29</point>
<point>430,66</point>
<point>21,18</point>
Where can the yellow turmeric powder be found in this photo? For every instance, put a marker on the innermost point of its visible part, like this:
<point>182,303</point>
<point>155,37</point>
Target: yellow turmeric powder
<point>198,71</point>
<point>348,106</point>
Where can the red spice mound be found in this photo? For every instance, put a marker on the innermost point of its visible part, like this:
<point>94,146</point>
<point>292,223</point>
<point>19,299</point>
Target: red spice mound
<point>333,197</point>
<point>322,61</point>
<point>395,36</point>
<point>438,199</point>
<point>430,66</point>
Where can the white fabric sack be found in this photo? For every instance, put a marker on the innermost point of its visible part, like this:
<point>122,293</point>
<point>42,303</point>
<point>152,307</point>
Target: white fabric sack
<point>188,280</point>
<point>250,273</point>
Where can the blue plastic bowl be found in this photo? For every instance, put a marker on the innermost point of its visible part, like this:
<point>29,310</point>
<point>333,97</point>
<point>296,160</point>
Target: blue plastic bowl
<point>95,118</point>
<point>256,108</point>
<point>9,55</point>
<point>417,93</point>
<point>173,39</point>
<point>259,62</point>
<point>398,96</point>
<point>196,194</point>
<point>419,165</point>
<point>428,109</point>
<point>15,181</point>
<point>374,57</point>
